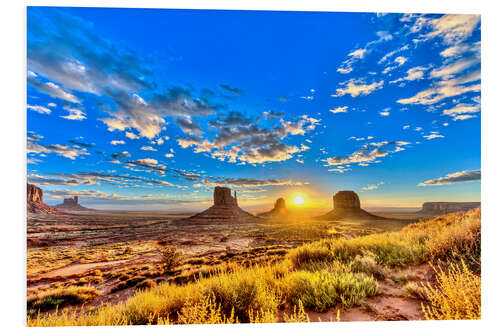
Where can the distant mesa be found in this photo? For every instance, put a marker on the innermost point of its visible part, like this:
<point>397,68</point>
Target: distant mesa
<point>279,210</point>
<point>34,201</point>
<point>439,208</point>
<point>224,211</point>
<point>71,204</point>
<point>346,205</point>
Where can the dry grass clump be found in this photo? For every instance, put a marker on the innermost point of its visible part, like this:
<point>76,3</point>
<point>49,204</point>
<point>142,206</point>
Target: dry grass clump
<point>53,298</point>
<point>457,294</point>
<point>322,290</point>
<point>298,314</point>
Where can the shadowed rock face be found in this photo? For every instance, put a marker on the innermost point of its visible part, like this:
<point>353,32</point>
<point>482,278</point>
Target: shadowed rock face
<point>346,205</point>
<point>280,204</point>
<point>346,200</point>
<point>34,193</point>
<point>278,210</point>
<point>34,201</point>
<point>224,210</point>
<point>222,196</point>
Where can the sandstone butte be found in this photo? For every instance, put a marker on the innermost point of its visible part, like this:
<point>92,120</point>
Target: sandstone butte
<point>224,210</point>
<point>346,205</point>
<point>279,210</point>
<point>34,201</point>
<point>71,204</point>
<point>439,208</point>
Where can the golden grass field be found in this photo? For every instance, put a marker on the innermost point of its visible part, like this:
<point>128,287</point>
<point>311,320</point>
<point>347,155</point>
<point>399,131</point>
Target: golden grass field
<point>304,272</point>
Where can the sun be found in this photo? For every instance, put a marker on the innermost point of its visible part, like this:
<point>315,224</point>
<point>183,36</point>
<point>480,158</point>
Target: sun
<point>298,200</point>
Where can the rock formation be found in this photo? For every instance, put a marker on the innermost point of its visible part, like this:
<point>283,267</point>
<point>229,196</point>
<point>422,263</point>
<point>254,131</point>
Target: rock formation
<point>225,210</point>
<point>71,204</point>
<point>439,208</point>
<point>34,201</point>
<point>278,210</point>
<point>346,206</point>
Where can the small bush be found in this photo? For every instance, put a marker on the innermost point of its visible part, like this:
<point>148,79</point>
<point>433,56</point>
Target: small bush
<point>456,296</point>
<point>170,258</point>
<point>298,315</point>
<point>321,290</point>
<point>205,311</point>
<point>148,283</point>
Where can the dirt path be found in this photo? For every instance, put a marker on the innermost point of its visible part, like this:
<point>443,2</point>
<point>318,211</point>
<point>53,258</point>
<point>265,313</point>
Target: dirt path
<point>391,303</point>
<point>78,268</point>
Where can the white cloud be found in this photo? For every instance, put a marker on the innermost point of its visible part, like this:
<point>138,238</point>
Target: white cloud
<point>358,88</point>
<point>433,136</point>
<point>453,28</point>
<point>452,178</point>
<point>148,148</point>
<point>372,187</point>
<point>463,117</point>
<point>450,70</point>
<point>39,109</point>
<point>74,113</point>
<point>131,135</point>
<point>384,113</point>
<point>117,142</point>
<point>340,109</point>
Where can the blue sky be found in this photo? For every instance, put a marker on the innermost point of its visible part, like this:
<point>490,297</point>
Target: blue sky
<point>150,109</point>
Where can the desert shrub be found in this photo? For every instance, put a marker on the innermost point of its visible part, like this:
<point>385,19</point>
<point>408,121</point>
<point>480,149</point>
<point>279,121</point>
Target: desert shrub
<point>457,294</point>
<point>414,290</point>
<point>403,278</point>
<point>298,315</point>
<point>204,311</point>
<point>148,283</point>
<point>256,317</point>
<point>367,264</point>
<point>321,290</point>
<point>309,253</point>
<point>123,277</point>
<point>128,250</point>
<point>120,286</point>
<point>242,291</point>
<point>59,297</point>
<point>170,258</point>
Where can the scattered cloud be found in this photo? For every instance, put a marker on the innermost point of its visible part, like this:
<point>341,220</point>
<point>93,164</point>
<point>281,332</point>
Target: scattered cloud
<point>372,187</point>
<point>148,148</point>
<point>357,87</point>
<point>340,109</point>
<point>39,109</point>
<point>74,113</point>
<point>117,142</point>
<point>452,178</point>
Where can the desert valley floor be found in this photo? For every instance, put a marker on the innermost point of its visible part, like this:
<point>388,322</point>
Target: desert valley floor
<point>104,248</point>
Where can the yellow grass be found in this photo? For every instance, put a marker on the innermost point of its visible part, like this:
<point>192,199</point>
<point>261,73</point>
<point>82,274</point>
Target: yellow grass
<point>457,294</point>
<point>316,276</point>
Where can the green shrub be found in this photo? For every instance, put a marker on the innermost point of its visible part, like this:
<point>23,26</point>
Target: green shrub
<point>321,290</point>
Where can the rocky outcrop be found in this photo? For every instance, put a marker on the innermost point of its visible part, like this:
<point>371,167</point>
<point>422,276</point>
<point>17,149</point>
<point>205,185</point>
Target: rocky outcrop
<point>439,208</point>
<point>71,204</point>
<point>222,196</point>
<point>34,201</point>
<point>346,206</point>
<point>279,210</point>
<point>224,211</point>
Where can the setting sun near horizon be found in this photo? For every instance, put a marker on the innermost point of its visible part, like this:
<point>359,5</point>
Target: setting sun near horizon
<point>298,200</point>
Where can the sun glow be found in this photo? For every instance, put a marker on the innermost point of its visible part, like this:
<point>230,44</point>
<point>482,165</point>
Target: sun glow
<point>298,200</point>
